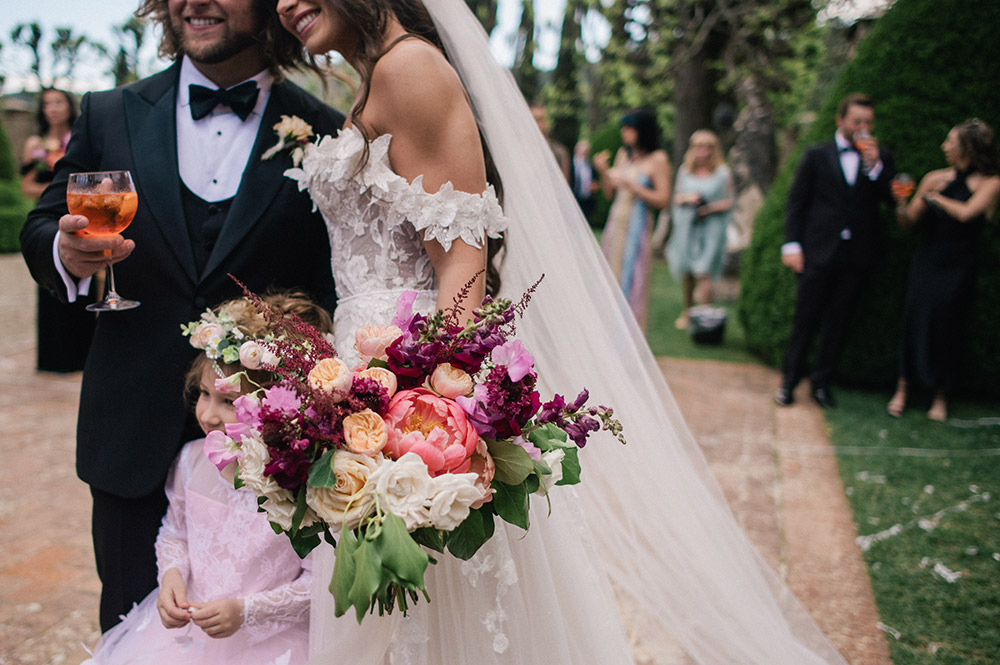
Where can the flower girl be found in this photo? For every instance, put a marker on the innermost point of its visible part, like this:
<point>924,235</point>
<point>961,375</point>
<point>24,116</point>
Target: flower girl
<point>231,590</point>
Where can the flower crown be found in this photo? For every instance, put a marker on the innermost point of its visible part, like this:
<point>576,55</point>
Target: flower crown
<point>219,336</point>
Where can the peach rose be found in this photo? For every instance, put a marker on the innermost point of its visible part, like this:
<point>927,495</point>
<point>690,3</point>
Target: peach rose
<point>365,432</point>
<point>481,463</point>
<point>383,376</point>
<point>351,497</point>
<point>372,341</point>
<point>451,382</point>
<point>433,427</point>
<point>333,376</point>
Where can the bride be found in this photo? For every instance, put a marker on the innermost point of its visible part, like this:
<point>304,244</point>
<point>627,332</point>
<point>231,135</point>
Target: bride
<point>409,206</point>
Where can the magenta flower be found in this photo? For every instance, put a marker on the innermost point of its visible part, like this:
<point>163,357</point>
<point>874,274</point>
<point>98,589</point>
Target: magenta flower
<point>404,309</point>
<point>247,409</point>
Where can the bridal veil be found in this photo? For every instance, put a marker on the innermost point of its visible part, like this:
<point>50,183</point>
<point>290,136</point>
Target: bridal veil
<point>661,526</point>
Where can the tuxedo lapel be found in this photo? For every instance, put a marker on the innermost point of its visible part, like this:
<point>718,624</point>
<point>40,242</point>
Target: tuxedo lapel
<point>837,170</point>
<point>262,181</point>
<point>150,111</point>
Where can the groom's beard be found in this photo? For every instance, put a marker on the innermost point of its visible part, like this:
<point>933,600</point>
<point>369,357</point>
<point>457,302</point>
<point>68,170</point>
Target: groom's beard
<point>229,45</point>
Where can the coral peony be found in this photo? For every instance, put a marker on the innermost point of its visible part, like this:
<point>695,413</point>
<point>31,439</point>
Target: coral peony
<point>433,427</point>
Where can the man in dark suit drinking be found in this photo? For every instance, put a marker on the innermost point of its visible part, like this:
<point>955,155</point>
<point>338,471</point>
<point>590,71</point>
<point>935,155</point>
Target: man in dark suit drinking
<point>833,237</point>
<point>192,136</point>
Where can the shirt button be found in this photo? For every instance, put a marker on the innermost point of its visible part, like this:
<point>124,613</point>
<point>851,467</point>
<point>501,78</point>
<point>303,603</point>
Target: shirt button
<point>214,181</point>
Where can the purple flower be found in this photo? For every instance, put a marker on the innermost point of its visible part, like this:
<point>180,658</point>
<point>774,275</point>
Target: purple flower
<point>247,409</point>
<point>478,416</point>
<point>404,310</point>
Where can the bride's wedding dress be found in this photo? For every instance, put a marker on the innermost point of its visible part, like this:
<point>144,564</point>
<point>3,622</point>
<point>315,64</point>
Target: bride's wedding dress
<point>648,519</point>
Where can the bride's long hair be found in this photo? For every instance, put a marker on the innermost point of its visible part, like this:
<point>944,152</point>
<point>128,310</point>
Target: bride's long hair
<point>370,19</point>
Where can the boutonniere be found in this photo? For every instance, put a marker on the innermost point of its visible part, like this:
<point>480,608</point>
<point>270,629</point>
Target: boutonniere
<point>293,134</point>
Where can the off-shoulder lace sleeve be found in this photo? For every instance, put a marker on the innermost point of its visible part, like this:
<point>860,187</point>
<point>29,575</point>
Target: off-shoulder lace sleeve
<point>449,214</point>
<point>269,612</point>
<point>171,541</point>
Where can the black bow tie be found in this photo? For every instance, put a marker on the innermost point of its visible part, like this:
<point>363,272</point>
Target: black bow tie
<point>240,98</point>
<point>847,148</point>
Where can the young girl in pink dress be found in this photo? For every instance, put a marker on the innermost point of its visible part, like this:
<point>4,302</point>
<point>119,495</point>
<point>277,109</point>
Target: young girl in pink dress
<point>231,590</point>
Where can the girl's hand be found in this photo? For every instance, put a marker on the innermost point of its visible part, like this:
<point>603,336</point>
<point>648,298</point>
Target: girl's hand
<point>172,602</point>
<point>602,160</point>
<point>219,618</point>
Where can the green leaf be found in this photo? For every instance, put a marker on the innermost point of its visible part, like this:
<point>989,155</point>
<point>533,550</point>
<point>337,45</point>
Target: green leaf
<point>511,503</point>
<point>378,362</point>
<point>548,437</point>
<point>304,544</point>
<point>469,536</point>
<point>513,464</point>
<point>300,509</point>
<point>430,537</point>
<point>321,472</point>
<point>570,467</point>
<point>367,576</point>
<point>344,571</point>
<point>399,553</point>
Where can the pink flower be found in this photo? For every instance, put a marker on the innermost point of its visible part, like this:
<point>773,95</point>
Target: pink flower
<point>372,341</point>
<point>515,358</point>
<point>231,385</point>
<point>278,398</point>
<point>433,427</point>
<point>481,464</point>
<point>533,452</point>
<point>404,309</point>
<point>247,409</point>
<point>221,450</point>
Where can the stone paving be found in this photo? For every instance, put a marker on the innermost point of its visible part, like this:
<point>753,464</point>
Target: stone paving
<point>774,465</point>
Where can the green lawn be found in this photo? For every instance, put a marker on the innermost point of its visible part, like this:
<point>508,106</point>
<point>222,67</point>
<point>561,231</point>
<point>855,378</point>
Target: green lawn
<point>925,494</point>
<point>665,305</point>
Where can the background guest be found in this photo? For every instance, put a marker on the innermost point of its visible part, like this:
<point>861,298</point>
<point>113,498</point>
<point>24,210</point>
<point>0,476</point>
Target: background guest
<point>584,185</point>
<point>639,182</point>
<point>64,331</point>
<point>700,213</point>
<point>558,149</point>
<point>950,208</point>
<point>833,238</point>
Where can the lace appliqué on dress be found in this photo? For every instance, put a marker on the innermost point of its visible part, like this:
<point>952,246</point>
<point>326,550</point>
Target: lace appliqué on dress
<point>493,567</point>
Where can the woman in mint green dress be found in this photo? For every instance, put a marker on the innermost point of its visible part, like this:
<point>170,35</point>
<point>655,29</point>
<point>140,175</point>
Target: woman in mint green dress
<point>700,214</point>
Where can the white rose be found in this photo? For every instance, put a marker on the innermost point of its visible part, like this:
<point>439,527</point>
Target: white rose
<point>251,354</point>
<point>347,501</point>
<point>554,459</point>
<point>255,459</point>
<point>454,494</point>
<point>280,508</point>
<point>405,486</point>
<point>267,357</point>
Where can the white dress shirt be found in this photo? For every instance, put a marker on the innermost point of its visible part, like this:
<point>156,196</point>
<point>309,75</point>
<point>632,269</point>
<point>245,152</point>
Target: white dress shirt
<point>212,153</point>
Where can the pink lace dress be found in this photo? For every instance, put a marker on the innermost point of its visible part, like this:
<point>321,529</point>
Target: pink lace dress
<point>213,534</point>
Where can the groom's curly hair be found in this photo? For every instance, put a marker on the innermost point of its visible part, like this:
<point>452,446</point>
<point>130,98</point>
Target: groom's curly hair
<point>370,19</point>
<point>282,50</point>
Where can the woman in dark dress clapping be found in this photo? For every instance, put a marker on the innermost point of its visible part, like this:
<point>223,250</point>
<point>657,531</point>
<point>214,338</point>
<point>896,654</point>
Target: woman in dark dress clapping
<point>950,206</point>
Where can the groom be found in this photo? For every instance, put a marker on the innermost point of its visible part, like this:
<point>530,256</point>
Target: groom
<point>208,206</point>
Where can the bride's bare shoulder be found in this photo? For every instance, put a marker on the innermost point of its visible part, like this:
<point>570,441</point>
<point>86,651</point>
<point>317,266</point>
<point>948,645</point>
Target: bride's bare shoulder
<point>415,76</point>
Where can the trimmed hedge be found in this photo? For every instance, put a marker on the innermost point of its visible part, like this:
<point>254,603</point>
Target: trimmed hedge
<point>929,65</point>
<point>13,206</point>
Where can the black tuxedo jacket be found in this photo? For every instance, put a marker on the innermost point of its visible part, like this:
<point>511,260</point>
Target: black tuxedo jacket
<point>132,408</point>
<point>821,205</point>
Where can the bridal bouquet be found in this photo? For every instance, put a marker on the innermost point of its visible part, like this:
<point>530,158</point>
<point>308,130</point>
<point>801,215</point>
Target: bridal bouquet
<point>437,432</point>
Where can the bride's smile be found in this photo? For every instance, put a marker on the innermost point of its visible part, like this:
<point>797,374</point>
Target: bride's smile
<point>319,26</point>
